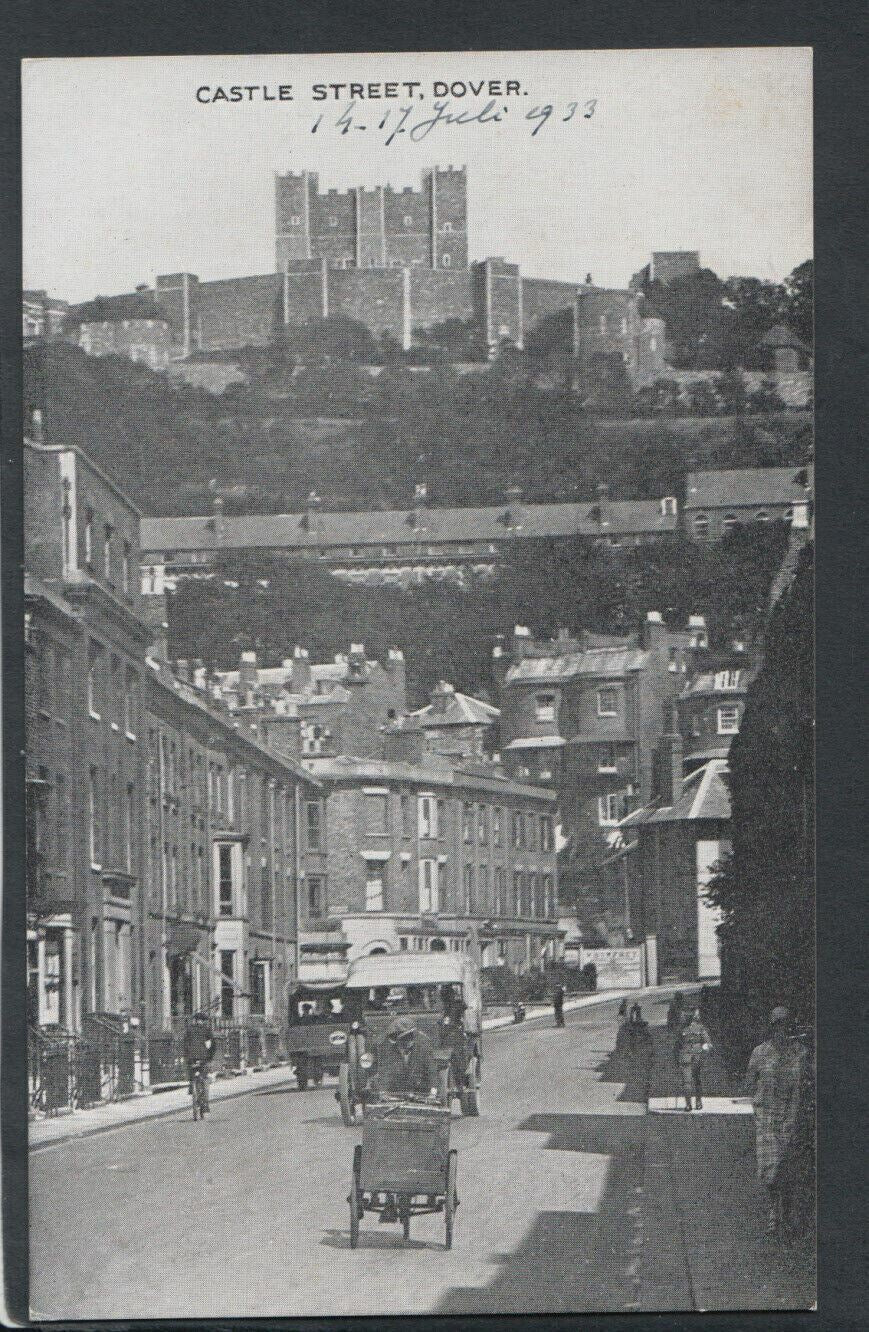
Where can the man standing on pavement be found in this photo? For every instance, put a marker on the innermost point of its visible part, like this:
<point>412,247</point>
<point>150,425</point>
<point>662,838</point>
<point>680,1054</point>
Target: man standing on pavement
<point>774,1081</point>
<point>691,1045</point>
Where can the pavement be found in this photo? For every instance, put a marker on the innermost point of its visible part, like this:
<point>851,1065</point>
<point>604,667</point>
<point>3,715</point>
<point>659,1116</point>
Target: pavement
<point>572,1199</point>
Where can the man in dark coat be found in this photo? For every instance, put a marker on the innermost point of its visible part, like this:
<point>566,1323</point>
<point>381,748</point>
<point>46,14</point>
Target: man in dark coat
<point>558,1004</point>
<point>198,1044</point>
<point>405,1067</point>
<point>405,1061</point>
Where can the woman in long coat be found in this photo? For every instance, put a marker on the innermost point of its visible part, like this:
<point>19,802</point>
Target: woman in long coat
<point>774,1081</point>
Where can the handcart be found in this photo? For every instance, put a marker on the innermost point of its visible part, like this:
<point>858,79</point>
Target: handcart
<point>405,1163</point>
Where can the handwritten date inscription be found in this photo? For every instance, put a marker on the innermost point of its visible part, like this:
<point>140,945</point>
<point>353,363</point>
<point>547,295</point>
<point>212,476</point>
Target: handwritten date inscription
<point>418,123</point>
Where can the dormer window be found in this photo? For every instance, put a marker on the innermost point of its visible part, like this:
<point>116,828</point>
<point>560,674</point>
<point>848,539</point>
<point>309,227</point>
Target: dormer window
<point>727,680</point>
<point>701,526</point>
<point>762,516</point>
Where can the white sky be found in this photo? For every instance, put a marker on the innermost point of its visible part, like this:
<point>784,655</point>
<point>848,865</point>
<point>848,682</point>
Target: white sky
<point>127,176</point>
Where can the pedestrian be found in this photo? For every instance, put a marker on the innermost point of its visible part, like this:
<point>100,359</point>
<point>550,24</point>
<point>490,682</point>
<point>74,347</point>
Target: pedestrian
<point>623,1010</point>
<point>690,1046</point>
<point>774,1082</point>
<point>558,1004</point>
<point>639,1036</point>
<point>675,1012</point>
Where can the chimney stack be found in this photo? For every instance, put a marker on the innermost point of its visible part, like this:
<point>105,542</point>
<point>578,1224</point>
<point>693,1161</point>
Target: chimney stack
<point>312,514</point>
<point>441,696</point>
<point>654,629</point>
<point>521,640</point>
<point>698,631</point>
<point>514,515</point>
<point>247,670</point>
<point>420,501</point>
<point>604,512</point>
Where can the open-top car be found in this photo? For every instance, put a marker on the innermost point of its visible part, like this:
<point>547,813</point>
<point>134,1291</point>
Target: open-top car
<point>441,992</point>
<point>318,1021</point>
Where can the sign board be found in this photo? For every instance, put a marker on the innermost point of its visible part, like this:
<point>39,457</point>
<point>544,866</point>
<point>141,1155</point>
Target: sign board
<point>617,968</point>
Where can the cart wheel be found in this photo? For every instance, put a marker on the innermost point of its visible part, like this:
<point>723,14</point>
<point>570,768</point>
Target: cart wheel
<point>444,1087</point>
<point>451,1201</point>
<point>404,1213</point>
<point>355,1197</point>
<point>345,1096</point>
<point>302,1073</point>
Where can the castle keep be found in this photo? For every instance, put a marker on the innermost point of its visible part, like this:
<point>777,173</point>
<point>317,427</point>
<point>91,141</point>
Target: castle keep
<point>397,261</point>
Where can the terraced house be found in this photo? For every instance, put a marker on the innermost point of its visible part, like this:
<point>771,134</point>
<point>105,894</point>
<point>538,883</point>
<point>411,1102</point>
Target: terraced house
<point>430,853</point>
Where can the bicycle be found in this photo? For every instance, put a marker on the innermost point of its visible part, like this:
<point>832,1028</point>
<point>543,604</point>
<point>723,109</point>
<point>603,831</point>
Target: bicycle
<point>199,1090</point>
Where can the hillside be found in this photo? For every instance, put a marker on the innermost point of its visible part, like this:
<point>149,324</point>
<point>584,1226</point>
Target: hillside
<point>448,633</point>
<point>364,443</point>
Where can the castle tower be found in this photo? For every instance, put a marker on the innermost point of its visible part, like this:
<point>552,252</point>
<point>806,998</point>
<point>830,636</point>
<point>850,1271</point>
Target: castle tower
<point>293,216</point>
<point>370,228</point>
<point>448,194</point>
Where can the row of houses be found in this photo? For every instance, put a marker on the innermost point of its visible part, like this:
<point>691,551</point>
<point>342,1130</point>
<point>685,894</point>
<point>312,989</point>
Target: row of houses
<point>183,852</point>
<point>402,547</point>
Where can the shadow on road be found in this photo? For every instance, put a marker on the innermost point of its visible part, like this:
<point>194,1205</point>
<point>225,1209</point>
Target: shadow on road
<point>369,1238</point>
<point>573,1261</point>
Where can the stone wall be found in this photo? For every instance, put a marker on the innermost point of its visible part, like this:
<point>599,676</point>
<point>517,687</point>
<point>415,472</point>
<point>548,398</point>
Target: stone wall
<point>237,312</point>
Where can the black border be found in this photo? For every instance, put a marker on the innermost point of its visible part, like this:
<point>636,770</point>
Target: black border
<point>838,33</point>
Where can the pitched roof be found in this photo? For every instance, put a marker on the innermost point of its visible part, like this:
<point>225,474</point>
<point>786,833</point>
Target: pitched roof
<point>396,526</point>
<point>705,795</point>
<point>782,335</point>
<point>614,661</point>
<point>747,487</point>
<point>460,710</point>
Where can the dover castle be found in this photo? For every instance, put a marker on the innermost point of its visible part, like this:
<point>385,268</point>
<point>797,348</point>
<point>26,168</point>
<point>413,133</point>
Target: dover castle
<point>397,261</point>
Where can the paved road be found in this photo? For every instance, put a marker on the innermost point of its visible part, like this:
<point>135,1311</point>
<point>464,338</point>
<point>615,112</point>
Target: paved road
<point>246,1214</point>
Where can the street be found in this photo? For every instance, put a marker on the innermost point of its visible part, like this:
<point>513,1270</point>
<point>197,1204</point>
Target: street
<point>247,1215</point>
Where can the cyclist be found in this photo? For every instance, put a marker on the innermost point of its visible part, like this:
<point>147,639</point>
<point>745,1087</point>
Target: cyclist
<point>198,1051</point>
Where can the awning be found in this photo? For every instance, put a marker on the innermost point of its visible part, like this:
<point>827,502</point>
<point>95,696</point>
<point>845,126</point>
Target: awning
<point>183,939</point>
<point>537,742</point>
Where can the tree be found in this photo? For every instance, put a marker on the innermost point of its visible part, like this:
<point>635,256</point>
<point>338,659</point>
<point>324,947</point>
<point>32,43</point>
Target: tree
<point>766,888</point>
<point>799,306</point>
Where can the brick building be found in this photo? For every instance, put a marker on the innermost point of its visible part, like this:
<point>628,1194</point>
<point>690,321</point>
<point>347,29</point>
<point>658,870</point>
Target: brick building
<point>711,705</point>
<point>397,547</point>
<point>162,856</point>
<point>145,341</point>
<point>85,736</point>
<point>42,316</point>
<point>426,849</point>
<point>716,501</point>
<point>453,725</point>
<point>584,714</point>
<point>301,708</point>
<point>223,862</point>
<point>670,848</point>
